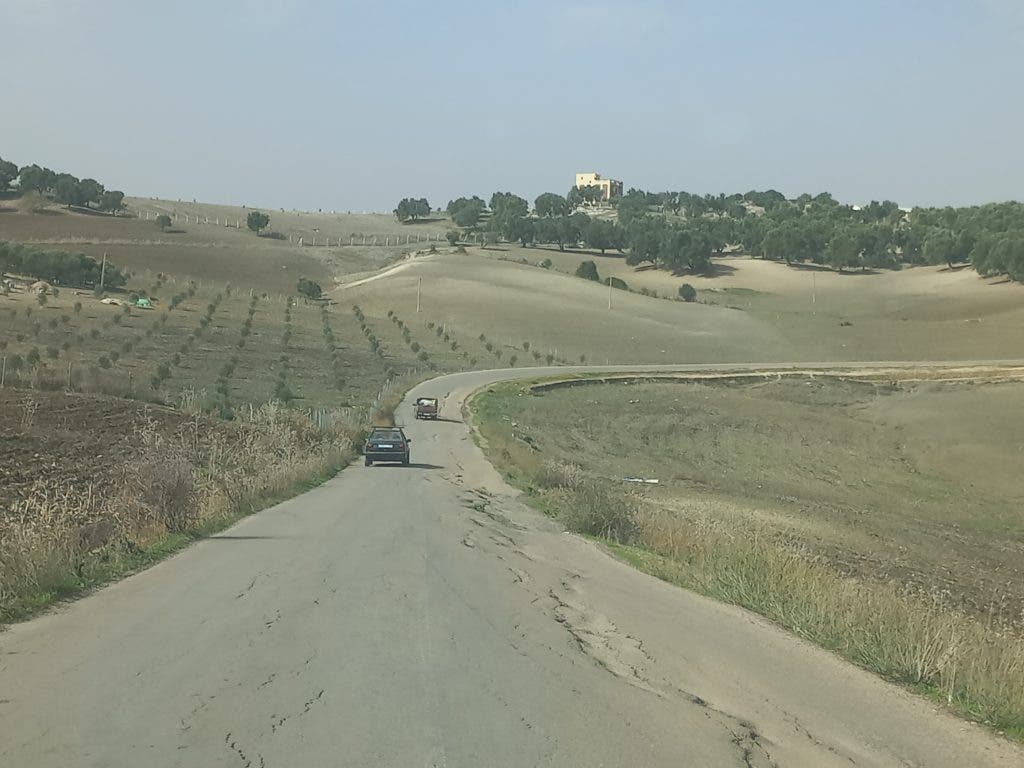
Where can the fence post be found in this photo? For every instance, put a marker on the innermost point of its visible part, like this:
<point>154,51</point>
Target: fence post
<point>3,371</point>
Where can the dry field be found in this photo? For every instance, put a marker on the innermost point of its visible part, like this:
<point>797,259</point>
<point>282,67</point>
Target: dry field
<point>879,518</point>
<point>912,488</point>
<point>908,484</point>
<point>918,313</point>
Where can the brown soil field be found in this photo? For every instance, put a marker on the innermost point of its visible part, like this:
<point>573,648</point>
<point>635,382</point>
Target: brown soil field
<point>207,252</point>
<point>59,440</point>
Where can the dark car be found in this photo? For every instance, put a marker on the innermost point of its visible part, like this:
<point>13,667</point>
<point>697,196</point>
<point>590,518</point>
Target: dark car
<point>386,444</point>
<point>426,408</point>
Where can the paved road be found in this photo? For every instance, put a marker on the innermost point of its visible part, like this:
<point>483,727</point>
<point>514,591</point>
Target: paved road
<point>423,616</point>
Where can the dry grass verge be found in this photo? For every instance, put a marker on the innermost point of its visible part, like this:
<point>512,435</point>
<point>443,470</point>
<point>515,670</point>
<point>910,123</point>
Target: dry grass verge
<point>976,669</point>
<point>57,539</point>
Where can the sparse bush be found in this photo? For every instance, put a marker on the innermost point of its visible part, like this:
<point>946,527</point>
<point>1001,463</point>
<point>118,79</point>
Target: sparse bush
<point>687,292</point>
<point>166,488</point>
<point>588,271</point>
<point>78,308</point>
<point>104,362</point>
<point>544,263</point>
<point>617,283</point>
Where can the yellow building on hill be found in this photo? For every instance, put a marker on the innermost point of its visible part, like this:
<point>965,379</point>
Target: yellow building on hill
<point>609,187</point>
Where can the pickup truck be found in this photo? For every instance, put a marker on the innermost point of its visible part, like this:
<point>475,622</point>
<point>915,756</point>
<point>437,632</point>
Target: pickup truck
<point>426,407</point>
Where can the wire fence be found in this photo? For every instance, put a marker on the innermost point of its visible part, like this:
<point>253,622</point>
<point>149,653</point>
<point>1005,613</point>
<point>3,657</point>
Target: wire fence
<point>300,239</point>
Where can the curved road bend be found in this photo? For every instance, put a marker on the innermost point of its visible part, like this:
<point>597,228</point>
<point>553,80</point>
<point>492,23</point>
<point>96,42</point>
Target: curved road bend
<point>423,616</point>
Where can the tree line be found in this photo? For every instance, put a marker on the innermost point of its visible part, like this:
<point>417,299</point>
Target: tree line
<point>58,267</point>
<point>63,188</point>
<point>681,231</point>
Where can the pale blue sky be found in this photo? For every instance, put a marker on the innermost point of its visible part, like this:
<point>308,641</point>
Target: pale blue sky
<point>351,106</point>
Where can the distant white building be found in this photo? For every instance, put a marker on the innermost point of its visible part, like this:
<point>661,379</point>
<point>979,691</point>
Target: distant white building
<point>609,187</point>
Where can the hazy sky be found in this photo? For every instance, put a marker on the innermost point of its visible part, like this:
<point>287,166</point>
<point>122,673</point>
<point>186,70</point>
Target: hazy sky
<point>353,105</point>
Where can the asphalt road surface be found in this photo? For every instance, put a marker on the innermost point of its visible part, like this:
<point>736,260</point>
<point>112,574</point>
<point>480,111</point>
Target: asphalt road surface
<point>423,616</point>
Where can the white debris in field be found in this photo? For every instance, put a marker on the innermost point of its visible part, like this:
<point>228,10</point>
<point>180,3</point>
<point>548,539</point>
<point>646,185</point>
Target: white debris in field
<point>644,480</point>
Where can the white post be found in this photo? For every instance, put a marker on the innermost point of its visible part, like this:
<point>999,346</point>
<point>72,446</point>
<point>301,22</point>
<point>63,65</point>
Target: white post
<point>3,371</point>
<point>103,272</point>
<point>419,285</point>
<point>609,292</point>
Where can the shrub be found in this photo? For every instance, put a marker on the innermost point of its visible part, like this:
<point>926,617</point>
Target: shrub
<point>544,263</point>
<point>104,362</point>
<point>687,292</point>
<point>617,283</point>
<point>308,288</point>
<point>588,271</point>
<point>78,307</point>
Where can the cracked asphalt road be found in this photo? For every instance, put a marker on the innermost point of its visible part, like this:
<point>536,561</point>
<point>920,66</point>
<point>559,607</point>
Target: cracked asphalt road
<point>423,616</point>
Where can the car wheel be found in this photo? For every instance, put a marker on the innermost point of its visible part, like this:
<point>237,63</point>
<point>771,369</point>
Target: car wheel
<point>368,462</point>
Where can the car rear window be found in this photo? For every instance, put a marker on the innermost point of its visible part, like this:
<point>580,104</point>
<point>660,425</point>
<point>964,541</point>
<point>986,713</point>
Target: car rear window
<point>386,435</point>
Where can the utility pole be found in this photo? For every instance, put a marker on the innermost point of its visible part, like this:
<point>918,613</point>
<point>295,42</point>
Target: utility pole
<point>419,285</point>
